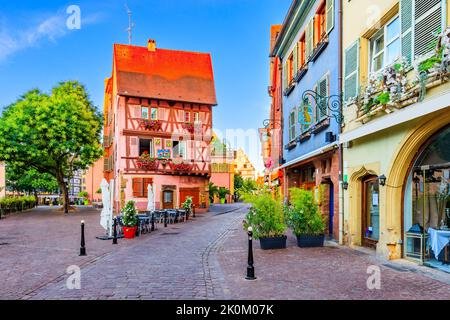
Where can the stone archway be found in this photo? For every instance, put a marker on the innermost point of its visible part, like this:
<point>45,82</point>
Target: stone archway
<point>398,171</point>
<point>355,200</point>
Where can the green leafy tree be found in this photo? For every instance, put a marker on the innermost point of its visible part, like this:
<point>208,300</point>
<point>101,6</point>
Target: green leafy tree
<point>54,133</point>
<point>213,191</point>
<point>30,181</point>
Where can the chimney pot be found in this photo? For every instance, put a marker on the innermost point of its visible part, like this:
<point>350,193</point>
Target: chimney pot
<point>151,45</point>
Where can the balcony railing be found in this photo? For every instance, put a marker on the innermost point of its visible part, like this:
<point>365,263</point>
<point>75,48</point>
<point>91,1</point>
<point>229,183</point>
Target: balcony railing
<point>168,167</point>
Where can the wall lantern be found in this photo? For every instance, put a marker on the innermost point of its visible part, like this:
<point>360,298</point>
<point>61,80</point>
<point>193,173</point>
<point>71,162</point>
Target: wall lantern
<point>382,180</point>
<point>345,185</point>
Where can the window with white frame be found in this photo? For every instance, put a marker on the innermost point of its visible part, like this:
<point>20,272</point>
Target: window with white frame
<point>385,45</point>
<point>292,133</point>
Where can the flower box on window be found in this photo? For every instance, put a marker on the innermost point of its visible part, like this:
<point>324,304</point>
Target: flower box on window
<point>291,145</point>
<point>152,125</point>
<point>301,73</point>
<point>181,167</point>
<point>304,136</point>
<point>320,126</point>
<point>189,126</point>
<point>147,162</point>
<point>323,43</point>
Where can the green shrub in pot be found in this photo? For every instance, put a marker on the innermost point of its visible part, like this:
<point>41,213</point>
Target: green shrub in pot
<point>266,217</point>
<point>304,218</point>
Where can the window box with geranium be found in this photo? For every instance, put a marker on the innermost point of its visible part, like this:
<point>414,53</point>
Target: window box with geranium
<point>147,162</point>
<point>152,125</point>
<point>181,167</point>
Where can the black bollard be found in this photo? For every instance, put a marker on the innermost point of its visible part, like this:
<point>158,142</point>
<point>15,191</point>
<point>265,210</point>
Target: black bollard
<point>115,231</point>
<point>193,210</point>
<point>153,221</point>
<point>82,247</point>
<point>250,267</point>
<point>165,219</point>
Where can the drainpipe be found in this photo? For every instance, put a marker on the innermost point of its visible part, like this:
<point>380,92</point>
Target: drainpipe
<point>341,158</point>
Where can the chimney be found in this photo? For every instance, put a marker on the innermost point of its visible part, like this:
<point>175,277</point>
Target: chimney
<point>151,45</point>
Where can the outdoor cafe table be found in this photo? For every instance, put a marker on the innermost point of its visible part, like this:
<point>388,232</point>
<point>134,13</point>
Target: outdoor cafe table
<point>439,239</point>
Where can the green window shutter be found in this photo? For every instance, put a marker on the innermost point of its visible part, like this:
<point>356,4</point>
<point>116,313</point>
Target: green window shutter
<point>292,134</point>
<point>295,56</point>
<point>329,15</point>
<point>351,73</point>
<point>428,22</point>
<point>322,91</point>
<point>285,79</point>
<point>406,21</point>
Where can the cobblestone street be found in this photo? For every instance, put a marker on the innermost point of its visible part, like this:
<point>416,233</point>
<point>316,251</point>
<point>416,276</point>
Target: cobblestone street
<point>203,258</point>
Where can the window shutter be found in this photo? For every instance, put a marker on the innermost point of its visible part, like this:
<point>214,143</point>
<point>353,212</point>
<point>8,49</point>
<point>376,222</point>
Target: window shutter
<point>428,18</point>
<point>309,38</point>
<point>329,15</point>
<point>106,164</point>
<point>285,84</point>
<point>322,91</point>
<point>351,65</point>
<point>295,58</point>
<point>146,181</point>
<point>137,187</point>
<point>406,21</point>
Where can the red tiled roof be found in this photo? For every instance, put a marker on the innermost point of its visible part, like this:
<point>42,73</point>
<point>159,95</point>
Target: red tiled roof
<point>164,74</point>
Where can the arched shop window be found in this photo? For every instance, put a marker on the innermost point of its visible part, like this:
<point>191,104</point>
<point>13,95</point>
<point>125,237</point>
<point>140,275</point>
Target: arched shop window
<point>427,203</point>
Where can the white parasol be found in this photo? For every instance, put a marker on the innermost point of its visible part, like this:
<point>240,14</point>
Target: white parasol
<point>106,200</point>
<point>151,198</point>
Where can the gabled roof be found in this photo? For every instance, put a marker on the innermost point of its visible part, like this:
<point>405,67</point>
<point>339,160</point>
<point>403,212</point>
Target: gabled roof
<point>164,74</point>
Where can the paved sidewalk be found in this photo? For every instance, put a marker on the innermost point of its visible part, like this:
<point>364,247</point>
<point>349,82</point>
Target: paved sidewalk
<point>37,246</point>
<point>332,272</point>
<point>204,258</point>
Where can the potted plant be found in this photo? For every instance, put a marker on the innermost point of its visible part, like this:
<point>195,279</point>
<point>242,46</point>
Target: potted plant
<point>266,217</point>
<point>304,218</point>
<point>213,190</point>
<point>223,192</point>
<point>187,205</point>
<point>129,220</point>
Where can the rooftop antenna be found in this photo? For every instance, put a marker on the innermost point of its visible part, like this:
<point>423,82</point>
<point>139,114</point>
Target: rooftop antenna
<point>131,24</point>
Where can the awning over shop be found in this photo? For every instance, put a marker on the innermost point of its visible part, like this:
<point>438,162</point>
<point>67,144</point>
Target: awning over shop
<point>314,153</point>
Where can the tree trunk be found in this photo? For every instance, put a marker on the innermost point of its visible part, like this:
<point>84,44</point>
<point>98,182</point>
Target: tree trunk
<point>36,198</point>
<point>63,187</point>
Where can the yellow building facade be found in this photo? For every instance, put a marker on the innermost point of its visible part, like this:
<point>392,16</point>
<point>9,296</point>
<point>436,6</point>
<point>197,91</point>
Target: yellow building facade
<point>396,159</point>
<point>243,165</point>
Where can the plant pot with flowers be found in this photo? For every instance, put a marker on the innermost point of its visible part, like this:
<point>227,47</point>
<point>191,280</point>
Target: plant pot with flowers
<point>304,218</point>
<point>189,126</point>
<point>178,165</point>
<point>147,162</point>
<point>266,217</point>
<point>129,220</point>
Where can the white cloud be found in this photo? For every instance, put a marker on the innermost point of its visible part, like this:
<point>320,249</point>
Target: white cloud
<point>13,40</point>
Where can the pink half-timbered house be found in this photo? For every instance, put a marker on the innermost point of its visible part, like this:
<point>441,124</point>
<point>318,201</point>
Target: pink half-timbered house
<point>158,125</point>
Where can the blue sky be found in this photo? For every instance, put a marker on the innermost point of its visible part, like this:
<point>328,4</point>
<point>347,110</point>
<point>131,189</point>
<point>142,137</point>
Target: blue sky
<point>37,50</point>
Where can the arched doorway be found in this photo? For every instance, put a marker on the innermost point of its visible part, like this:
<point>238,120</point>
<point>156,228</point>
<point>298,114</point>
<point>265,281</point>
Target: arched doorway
<point>427,200</point>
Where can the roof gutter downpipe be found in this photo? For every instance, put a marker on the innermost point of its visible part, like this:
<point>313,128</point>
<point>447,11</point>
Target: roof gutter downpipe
<point>341,158</point>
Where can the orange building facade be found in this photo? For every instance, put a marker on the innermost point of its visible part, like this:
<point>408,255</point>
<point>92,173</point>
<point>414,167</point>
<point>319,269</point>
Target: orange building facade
<point>271,134</point>
<point>158,125</point>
